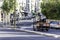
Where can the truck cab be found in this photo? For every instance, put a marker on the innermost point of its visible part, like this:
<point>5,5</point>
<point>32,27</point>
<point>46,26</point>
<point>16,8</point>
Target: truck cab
<point>41,24</point>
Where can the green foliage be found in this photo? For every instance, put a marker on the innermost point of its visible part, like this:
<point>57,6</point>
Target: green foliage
<point>51,9</point>
<point>8,5</point>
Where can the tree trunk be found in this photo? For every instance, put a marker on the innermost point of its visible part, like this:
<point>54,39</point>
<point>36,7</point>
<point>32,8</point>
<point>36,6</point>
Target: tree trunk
<point>6,19</point>
<point>3,20</point>
<point>14,19</point>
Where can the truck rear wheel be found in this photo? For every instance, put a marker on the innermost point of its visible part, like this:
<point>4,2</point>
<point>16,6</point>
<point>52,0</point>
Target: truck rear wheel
<point>47,29</point>
<point>34,27</point>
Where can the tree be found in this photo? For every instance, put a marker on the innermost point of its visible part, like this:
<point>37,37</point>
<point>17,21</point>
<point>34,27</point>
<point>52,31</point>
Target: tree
<point>8,6</point>
<point>15,13</point>
<point>51,9</point>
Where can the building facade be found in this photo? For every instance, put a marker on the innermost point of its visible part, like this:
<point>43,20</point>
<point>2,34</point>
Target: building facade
<point>27,6</point>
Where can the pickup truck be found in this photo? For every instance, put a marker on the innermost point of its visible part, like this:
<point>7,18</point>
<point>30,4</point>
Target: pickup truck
<point>41,26</point>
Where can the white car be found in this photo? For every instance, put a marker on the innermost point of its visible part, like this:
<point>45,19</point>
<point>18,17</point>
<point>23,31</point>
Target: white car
<point>54,24</point>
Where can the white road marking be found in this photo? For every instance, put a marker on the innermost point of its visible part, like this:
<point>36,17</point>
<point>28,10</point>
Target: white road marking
<point>26,27</point>
<point>9,32</point>
<point>11,35</point>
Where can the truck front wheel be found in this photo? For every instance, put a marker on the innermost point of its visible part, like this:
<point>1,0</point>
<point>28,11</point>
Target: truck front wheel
<point>47,29</point>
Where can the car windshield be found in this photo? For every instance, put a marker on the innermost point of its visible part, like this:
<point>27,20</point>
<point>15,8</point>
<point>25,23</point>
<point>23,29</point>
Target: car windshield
<point>54,22</point>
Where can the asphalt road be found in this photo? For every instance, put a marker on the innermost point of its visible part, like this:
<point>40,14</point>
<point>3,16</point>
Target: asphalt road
<point>28,25</point>
<point>7,34</point>
<point>29,38</point>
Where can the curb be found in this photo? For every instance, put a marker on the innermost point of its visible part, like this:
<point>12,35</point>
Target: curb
<point>40,33</point>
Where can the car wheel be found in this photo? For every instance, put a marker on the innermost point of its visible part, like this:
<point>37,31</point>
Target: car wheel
<point>47,29</point>
<point>34,27</point>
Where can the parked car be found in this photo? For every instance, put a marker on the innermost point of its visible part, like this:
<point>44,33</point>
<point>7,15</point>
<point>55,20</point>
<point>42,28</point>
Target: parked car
<point>54,24</point>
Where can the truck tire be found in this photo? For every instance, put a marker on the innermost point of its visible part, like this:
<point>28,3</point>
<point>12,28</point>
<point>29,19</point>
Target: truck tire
<point>34,27</point>
<point>47,29</point>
